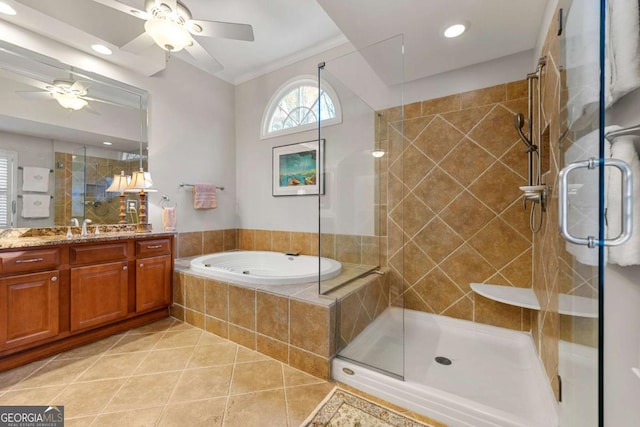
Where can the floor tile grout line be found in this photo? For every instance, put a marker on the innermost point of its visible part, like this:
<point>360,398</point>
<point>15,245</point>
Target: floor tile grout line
<point>226,403</point>
<point>284,391</point>
<point>128,378</point>
<point>175,386</point>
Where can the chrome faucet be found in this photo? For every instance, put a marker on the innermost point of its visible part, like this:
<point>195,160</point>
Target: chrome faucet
<point>74,222</point>
<point>84,227</point>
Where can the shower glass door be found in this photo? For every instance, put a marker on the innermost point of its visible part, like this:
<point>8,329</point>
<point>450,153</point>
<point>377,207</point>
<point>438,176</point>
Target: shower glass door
<point>581,199</point>
<point>358,213</point>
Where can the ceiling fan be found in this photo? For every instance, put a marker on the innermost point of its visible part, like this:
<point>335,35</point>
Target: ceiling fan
<point>169,24</point>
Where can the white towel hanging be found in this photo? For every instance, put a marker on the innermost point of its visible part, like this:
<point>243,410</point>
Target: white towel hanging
<point>35,179</point>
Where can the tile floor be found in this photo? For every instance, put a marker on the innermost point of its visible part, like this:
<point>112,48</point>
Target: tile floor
<point>167,373</point>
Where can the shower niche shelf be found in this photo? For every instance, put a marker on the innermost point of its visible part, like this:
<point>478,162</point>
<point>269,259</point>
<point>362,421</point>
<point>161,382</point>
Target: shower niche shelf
<point>525,297</point>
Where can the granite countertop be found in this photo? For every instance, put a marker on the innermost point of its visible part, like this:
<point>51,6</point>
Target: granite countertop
<point>31,237</point>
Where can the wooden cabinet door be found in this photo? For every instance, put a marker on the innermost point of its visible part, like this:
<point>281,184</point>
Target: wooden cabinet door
<point>153,282</point>
<point>29,308</point>
<point>98,294</point>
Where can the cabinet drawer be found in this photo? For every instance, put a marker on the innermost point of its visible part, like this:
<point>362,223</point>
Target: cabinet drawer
<point>98,253</point>
<point>153,247</point>
<point>29,260</point>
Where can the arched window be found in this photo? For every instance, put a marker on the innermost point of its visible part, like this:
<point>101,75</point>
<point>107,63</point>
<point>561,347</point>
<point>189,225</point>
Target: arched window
<point>294,107</point>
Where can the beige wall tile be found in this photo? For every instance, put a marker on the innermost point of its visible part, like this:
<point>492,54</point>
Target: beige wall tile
<point>242,336</point>
<point>177,311</point>
<point>216,326</point>
<point>309,327</point>
<point>310,363</point>
<point>441,105</point>
<point>213,241</point>
<point>216,299</point>
<point>195,318</point>
<point>262,240</point>
<point>273,348</point>
<point>189,244</point>
<point>230,239</point>
<point>484,96</point>
<point>242,307</point>
<point>178,288</point>
<point>280,241</point>
<point>301,242</point>
<point>246,239</point>
<point>348,248</point>
<point>194,292</point>
<point>273,316</point>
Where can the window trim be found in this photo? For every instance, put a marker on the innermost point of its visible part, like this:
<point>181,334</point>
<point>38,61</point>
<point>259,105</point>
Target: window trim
<point>284,89</point>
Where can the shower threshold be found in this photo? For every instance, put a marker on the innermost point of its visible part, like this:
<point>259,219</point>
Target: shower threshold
<point>483,375</point>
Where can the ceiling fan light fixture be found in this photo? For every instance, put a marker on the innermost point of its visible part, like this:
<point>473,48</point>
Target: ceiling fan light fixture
<point>168,34</point>
<point>70,101</point>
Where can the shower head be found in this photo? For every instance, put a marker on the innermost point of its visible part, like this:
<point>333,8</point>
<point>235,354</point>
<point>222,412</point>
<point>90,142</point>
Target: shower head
<point>518,121</point>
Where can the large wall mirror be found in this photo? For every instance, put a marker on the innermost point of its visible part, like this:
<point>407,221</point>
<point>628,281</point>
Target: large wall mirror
<point>78,127</point>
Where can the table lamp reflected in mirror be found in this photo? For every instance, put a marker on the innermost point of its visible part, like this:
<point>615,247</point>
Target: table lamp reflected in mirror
<point>141,181</point>
<point>119,185</point>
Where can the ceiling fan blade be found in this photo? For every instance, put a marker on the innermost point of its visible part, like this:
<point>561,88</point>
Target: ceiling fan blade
<point>104,101</point>
<point>114,4</point>
<point>37,95</point>
<point>15,75</point>
<point>203,58</point>
<point>89,109</point>
<point>227,30</point>
<point>171,4</point>
<point>140,43</point>
<point>79,86</point>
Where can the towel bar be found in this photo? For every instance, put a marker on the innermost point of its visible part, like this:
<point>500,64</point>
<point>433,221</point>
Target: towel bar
<point>182,184</point>
<point>22,168</point>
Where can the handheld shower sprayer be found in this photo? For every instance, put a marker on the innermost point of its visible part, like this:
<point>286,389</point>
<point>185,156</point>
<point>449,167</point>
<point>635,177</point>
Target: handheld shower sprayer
<point>519,123</point>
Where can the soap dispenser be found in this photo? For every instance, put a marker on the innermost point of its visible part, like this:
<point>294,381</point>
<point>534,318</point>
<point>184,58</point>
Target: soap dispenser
<point>69,233</point>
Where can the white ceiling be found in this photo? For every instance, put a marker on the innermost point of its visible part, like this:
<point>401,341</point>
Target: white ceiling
<point>289,30</point>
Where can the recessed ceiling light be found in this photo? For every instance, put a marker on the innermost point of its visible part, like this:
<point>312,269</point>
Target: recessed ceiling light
<point>100,48</point>
<point>6,9</point>
<point>107,143</point>
<point>455,30</point>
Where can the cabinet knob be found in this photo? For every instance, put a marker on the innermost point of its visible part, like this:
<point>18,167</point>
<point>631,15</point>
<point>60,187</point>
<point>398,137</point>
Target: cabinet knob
<point>54,279</point>
<point>125,268</point>
<point>141,265</point>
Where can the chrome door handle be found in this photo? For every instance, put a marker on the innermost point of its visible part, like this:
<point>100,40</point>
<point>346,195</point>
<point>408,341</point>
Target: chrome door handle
<point>627,202</point>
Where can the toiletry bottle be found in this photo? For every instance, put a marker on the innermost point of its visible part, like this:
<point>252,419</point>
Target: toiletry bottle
<point>69,233</point>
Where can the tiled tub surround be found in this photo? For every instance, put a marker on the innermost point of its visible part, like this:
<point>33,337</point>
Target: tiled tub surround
<point>353,249</point>
<point>292,323</point>
<point>454,213</point>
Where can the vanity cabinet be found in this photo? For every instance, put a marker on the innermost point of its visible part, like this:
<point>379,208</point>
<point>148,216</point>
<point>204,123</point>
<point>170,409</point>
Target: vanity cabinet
<point>28,308</point>
<point>68,294</point>
<point>98,294</point>
<point>99,287</point>
<point>154,265</point>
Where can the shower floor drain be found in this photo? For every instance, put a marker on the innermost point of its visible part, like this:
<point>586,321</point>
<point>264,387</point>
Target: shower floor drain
<point>443,360</point>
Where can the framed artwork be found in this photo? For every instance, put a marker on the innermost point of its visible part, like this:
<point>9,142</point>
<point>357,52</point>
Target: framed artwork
<point>298,169</point>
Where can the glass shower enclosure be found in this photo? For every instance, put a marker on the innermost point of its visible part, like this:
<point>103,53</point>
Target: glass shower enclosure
<point>359,220</point>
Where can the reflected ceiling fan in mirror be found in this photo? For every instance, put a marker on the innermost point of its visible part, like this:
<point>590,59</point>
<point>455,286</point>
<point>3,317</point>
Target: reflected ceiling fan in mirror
<point>169,24</point>
<point>70,94</point>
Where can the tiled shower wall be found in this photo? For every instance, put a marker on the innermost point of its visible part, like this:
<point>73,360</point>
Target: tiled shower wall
<point>102,207</point>
<point>454,210</point>
<point>555,270</point>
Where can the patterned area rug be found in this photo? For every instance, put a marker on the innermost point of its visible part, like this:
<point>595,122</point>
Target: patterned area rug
<point>343,409</point>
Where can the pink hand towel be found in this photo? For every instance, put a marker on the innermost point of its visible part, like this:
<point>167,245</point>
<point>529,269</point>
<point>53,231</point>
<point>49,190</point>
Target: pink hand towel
<point>204,196</point>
